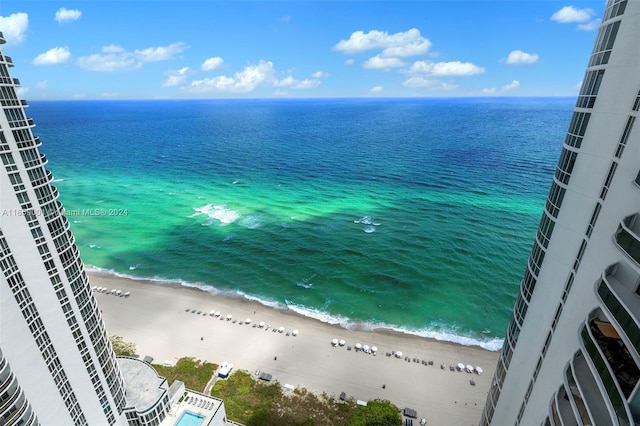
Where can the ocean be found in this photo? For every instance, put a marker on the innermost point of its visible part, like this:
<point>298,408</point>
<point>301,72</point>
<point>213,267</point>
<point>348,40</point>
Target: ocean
<point>416,215</point>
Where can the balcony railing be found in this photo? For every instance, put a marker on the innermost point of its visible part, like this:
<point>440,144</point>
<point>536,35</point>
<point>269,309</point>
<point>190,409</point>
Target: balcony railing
<point>621,301</point>
<point>606,375</point>
<point>627,237</point>
<point>43,159</point>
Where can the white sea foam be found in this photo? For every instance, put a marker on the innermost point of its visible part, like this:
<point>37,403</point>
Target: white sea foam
<point>57,180</point>
<point>220,213</point>
<point>369,229</point>
<point>490,344</point>
<point>94,246</point>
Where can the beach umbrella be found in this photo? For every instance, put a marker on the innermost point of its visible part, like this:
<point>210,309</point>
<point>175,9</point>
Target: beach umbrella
<point>374,349</point>
<point>334,342</point>
<point>358,346</point>
<point>398,354</point>
<point>217,314</point>
<point>280,330</point>
<point>469,368</point>
<point>247,321</point>
<point>261,324</point>
<point>229,317</point>
<point>342,343</point>
<point>212,313</point>
<point>294,332</point>
<point>366,348</point>
<point>460,366</point>
<point>118,292</point>
<point>478,370</point>
<point>127,294</point>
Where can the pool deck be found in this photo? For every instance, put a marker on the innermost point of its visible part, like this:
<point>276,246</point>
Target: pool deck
<point>200,404</point>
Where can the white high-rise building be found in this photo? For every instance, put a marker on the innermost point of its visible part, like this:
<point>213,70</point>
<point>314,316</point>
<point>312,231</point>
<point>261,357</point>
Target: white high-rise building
<point>572,351</point>
<point>57,365</point>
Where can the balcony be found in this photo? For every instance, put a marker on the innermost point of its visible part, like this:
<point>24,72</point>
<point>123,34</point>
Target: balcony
<point>37,141</point>
<point>581,387</point>
<point>617,355</point>
<point>43,159</point>
<point>616,291</point>
<point>49,176</point>
<point>16,82</point>
<point>565,410</point>
<point>603,369</point>
<point>627,237</point>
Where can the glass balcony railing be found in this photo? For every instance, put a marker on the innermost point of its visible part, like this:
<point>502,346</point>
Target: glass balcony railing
<point>606,376</point>
<point>627,237</point>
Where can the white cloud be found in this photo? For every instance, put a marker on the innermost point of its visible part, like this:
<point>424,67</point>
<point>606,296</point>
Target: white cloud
<point>21,91</point>
<point>454,68</point>
<point>212,63</point>
<point>116,58</point>
<point>349,62</point>
<point>513,85</point>
<point>42,84</point>
<point>518,57</point>
<point>57,55</point>
<point>320,74</point>
<point>376,89</point>
<point>569,15</point>
<point>65,15</point>
<point>401,44</point>
<point>160,53</point>
<point>250,78</point>
<point>285,18</point>
<point>14,27</point>
<point>176,78</point>
<point>378,62</point>
<point>507,87</point>
<point>422,82</point>
<point>590,26</point>
<point>243,81</point>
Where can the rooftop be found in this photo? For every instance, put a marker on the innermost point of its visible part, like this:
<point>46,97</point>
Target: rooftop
<point>143,386</point>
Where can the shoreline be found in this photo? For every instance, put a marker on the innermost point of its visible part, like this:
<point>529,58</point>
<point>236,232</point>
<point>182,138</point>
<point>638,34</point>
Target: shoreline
<point>155,318</point>
<point>491,345</point>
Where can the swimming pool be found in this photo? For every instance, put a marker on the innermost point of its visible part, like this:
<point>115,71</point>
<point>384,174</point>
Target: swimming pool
<point>189,419</point>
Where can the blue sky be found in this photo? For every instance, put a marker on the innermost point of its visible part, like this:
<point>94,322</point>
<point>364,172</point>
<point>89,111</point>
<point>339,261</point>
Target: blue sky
<point>300,49</point>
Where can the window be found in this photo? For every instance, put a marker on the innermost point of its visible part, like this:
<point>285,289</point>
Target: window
<point>625,136</point>
<point>565,165</point>
<point>590,88</point>
<point>594,219</point>
<point>554,201</point>
<point>604,44</point>
<point>607,182</point>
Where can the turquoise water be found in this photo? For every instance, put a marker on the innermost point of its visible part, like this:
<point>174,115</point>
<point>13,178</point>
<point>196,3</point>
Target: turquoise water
<point>416,215</point>
<point>189,419</point>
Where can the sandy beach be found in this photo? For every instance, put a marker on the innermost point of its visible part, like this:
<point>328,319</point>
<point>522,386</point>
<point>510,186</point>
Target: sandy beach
<point>155,318</point>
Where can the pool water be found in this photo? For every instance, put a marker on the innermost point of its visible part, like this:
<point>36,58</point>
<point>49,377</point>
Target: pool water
<point>189,419</point>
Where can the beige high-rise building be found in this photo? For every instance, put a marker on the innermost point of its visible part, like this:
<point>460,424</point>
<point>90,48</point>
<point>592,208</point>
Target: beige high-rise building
<point>572,350</point>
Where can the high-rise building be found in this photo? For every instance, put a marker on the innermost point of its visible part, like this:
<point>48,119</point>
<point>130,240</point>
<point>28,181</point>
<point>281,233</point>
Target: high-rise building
<point>57,365</point>
<point>572,350</point>
<point>56,359</point>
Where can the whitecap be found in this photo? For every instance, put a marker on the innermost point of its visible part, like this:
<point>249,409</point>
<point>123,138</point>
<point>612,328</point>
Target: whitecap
<point>94,246</point>
<point>133,267</point>
<point>250,222</point>
<point>220,213</point>
<point>369,229</point>
<point>57,180</point>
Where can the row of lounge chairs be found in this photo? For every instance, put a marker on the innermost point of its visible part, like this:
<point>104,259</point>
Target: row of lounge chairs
<point>200,402</point>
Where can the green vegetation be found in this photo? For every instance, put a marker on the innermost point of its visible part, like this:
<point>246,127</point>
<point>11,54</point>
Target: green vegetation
<point>194,373</point>
<point>256,403</point>
<point>122,348</point>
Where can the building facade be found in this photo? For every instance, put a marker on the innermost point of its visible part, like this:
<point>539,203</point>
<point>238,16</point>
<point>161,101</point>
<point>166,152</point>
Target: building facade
<point>572,350</point>
<point>56,356</point>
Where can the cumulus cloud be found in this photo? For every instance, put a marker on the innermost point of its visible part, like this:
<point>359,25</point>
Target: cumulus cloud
<point>212,63</point>
<point>423,82</point>
<point>14,27</point>
<point>441,69</point>
<point>378,62</point>
<point>243,81</point>
<point>320,74</point>
<point>376,89</point>
<point>65,15</point>
<point>250,78</point>
<point>57,55</point>
<point>401,44</point>
<point>590,26</point>
<point>507,87</point>
<point>518,57</point>
<point>569,15</point>
<point>349,62</point>
<point>176,78</point>
<point>116,58</point>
